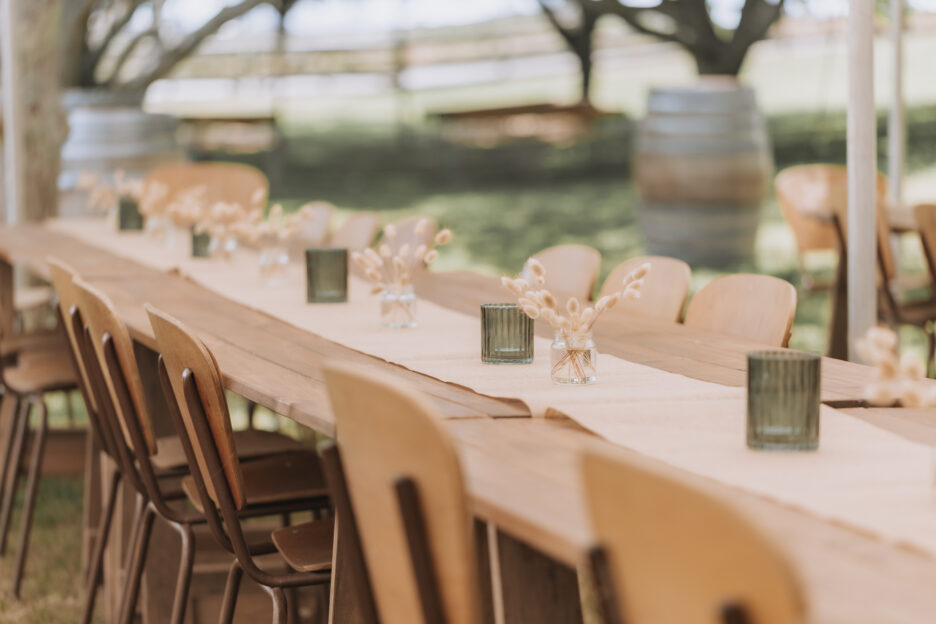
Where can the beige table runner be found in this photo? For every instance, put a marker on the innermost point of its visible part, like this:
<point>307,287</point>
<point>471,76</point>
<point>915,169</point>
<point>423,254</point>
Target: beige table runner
<point>446,345</point>
<point>861,476</point>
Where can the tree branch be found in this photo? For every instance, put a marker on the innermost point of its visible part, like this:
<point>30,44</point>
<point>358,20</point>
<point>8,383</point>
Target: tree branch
<point>127,51</point>
<point>551,16</point>
<point>174,56</point>
<point>632,15</point>
<point>757,17</point>
<point>93,58</point>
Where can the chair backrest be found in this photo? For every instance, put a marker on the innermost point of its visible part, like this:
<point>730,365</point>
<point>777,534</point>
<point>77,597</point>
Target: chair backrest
<point>664,292</point>
<point>926,223</point>
<point>313,232</point>
<point>406,233</point>
<point>571,270</point>
<point>810,188</point>
<point>223,182</point>
<point>759,308</point>
<point>182,351</point>
<point>62,277</point>
<point>357,232</point>
<point>102,320</point>
<point>677,554</point>
<point>386,433</point>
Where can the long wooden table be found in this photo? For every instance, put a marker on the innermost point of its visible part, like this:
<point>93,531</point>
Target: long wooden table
<point>522,473</point>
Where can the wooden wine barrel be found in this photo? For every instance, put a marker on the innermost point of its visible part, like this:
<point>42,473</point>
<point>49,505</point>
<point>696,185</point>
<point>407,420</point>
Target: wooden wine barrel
<point>108,130</point>
<point>702,167</point>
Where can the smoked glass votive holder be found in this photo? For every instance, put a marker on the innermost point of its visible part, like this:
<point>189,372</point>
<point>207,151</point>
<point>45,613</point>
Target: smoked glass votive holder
<point>506,334</point>
<point>326,275</point>
<point>201,244</point>
<point>129,217</point>
<point>783,400</point>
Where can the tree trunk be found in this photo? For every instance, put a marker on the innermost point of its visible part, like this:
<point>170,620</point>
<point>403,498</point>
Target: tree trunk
<point>585,62</point>
<point>41,123</point>
<point>718,62</point>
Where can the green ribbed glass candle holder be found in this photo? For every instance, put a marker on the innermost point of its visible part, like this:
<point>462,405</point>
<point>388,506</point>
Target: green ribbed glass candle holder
<point>326,275</point>
<point>201,244</point>
<point>129,217</point>
<point>783,400</point>
<point>506,334</point>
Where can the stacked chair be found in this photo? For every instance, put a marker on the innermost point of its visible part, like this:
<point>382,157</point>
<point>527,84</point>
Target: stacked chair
<point>153,466</point>
<point>31,366</point>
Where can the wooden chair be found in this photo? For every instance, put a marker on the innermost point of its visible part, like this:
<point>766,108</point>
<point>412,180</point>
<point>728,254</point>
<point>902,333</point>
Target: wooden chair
<point>142,455</point>
<point>227,491</point>
<point>669,552</point>
<point>223,182</point>
<point>664,292</point>
<point>926,222</point>
<point>408,496</point>
<point>357,232</point>
<point>571,270</point>
<point>314,229</point>
<point>759,308</point>
<point>406,233</point>
<point>31,366</point>
<point>803,189</point>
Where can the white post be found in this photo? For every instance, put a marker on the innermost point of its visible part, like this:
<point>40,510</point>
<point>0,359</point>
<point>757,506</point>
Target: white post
<point>862,172</point>
<point>896,128</point>
<point>13,139</point>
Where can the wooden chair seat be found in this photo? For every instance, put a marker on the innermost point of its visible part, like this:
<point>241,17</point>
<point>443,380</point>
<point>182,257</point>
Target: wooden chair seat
<point>307,547</point>
<point>251,444</point>
<point>38,373</point>
<point>277,479</point>
<point>33,341</point>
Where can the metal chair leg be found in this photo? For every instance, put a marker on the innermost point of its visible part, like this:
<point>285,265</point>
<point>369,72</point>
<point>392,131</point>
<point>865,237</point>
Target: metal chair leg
<point>11,474</point>
<point>9,435</point>
<point>280,606</point>
<point>131,591</point>
<point>231,589</point>
<point>184,581</point>
<point>32,487</point>
<point>96,567</point>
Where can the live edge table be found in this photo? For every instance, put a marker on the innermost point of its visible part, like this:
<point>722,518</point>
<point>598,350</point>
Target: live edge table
<point>521,472</point>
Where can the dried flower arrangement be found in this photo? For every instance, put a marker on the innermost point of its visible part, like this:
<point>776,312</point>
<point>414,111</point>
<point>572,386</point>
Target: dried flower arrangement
<point>897,379</point>
<point>389,271</point>
<point>575,323</point>
<point>104,198</point>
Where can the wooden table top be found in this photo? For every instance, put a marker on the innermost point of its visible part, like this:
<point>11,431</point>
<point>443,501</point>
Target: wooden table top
<point>522,473</point>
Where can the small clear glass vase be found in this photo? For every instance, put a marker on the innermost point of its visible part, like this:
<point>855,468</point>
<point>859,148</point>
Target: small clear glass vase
<point>223,247</point>
<point>398,307</point>
<point>573,359</point>
<point>274,263</point>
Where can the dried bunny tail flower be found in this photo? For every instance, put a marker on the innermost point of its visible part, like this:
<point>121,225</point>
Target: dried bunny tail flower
<point>548,299</point>
<point>404,279</point>
<point>882,338</point>
<point>532,311</point>
<point>602,304</point>
<point>612,300</point>
<point>443,237</point>
<point>880,394</point>
<point>866,351</point>
<point>520,285</point>
<point>374,257</point>
<point>398,264</point>
<point>421,226</point>
<point>526,301</point>
<point>276,211</point>
<point>588,315</point>
<point>258,196</point>
<point>536,267</point>
<point>404,251</point>
<point>373,275</point>
<point>421,252</point>
<point>431,256</point>
<point>385,252</point>
<point>549,315</point>
<point>573,306</point>
<point>629,293</point>
<point>887,367</point>
<point>565,325</point>
<point>390,231</point>
<point>376,289</point>
<point>911,395</point>
<point>508,283</point>
<point>637,274</point>
<point>540,280</point>
<point>361,260</point>
<point>912,366</point>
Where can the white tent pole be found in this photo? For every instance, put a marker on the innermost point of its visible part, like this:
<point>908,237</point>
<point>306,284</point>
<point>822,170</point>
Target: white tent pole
<point>13,139</point>
<point>862,173</point>
<point>896,128</point>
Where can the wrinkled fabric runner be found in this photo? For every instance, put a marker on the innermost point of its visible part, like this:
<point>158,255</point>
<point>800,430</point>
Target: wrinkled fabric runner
<point>861,476</point>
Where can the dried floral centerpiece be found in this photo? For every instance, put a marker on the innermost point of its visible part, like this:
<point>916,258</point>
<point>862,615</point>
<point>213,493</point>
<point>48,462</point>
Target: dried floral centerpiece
<point>898,379</point>
<point>391,273</point>
<point>122,200</point>
<point>573,356</point>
